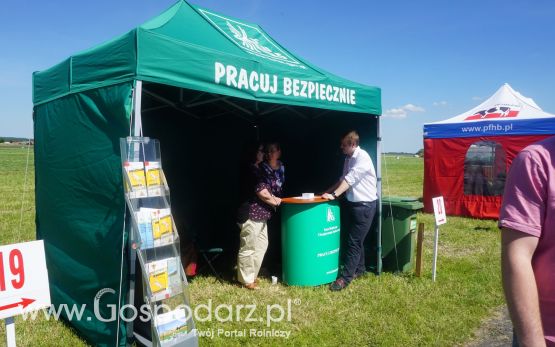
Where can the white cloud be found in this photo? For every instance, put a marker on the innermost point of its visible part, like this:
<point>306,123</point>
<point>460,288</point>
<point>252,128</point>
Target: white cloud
<point>398,113</point>
<point>477,98</point>
<point>440,103</point>
<point>403,111</point>
<point>413,108</point>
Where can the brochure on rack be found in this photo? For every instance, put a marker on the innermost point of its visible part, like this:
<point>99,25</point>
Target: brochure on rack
<point>136,177</point>
<point>153,178</point>
<point>164,278</point>
<point>171,325</point>
<point>155,227</point>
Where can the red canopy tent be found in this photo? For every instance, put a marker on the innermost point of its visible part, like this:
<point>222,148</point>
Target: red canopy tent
<point>466,158</point>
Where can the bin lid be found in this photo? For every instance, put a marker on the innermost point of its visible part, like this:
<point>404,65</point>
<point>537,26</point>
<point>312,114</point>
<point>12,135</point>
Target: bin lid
<point>409,203</point>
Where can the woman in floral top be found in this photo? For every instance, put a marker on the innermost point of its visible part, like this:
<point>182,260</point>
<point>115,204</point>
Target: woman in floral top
<point>273,170</point>
<point>254,231</point>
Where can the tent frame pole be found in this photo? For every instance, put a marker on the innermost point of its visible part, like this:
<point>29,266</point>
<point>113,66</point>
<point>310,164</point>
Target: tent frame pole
<point>379,191</point>
<point>230,103</point>
<point>203,102</point>
<point>137,131</point>
<point>271,110</point>
<point>169,103</point>
<point>137,101</point>
<point>298,113</point>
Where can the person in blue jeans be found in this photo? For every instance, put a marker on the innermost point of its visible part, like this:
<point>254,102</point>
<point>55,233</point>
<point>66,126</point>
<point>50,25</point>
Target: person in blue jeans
<point>358,182</point>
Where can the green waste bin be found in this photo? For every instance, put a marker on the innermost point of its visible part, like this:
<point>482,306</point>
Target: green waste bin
<point>310,231</point>
<point>399,232</point>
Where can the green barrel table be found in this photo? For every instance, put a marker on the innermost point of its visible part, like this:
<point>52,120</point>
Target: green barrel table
<point>310,230</point>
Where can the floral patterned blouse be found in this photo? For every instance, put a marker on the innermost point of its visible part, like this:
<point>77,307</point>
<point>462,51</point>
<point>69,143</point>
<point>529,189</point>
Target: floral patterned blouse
<point>269,179</point>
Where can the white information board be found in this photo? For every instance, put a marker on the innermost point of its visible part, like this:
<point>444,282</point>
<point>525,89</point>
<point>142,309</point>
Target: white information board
<point>23,278</point>
<point>439,210</point>
<point>441,218</point>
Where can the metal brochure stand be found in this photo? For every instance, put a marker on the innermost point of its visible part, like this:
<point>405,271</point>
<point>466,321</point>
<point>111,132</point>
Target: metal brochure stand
<point>155,240</point>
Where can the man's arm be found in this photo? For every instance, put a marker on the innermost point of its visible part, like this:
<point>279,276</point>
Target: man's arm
<point>332,188</point>
<point>520,288</point>
<point>338,189</point>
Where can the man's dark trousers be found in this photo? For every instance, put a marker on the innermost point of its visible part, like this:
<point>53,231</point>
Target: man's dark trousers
<point>360,217</point>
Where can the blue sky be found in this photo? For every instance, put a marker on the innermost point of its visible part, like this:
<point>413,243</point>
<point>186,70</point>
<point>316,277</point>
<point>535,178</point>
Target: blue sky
<point>432,59</point>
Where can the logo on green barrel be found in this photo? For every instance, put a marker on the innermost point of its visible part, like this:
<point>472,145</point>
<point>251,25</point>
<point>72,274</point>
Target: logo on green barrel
<point>330,217</point>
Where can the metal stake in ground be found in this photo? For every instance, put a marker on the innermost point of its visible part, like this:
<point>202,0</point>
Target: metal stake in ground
<point>10,331</point>
<point>419,244</point>
<point>441,218</point>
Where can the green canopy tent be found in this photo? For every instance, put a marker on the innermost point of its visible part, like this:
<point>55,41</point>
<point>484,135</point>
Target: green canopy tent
<point>202,83</point>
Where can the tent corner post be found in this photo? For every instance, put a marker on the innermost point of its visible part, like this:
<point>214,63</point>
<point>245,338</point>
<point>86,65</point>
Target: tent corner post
<point>379,191</point>
<point>137,101</point>
<point>136,130</point>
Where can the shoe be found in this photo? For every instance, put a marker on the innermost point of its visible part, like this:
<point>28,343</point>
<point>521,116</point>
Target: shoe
<point>251,286</point>
<point>338,284</point>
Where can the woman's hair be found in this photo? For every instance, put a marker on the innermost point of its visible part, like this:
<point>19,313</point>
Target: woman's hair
<point>250,150</point>
<point>271,147</point>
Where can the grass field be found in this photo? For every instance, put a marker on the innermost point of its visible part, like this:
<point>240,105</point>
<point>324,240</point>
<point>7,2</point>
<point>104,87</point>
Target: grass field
<point>385,310</point>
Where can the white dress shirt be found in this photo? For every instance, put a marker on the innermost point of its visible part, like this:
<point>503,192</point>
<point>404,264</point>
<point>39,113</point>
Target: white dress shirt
<point>359,173</point>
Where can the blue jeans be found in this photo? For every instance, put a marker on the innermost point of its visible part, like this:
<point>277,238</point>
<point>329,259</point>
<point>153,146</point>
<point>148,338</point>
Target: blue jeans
<point>515,339</point>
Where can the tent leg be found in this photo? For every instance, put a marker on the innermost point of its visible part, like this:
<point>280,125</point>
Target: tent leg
<point>138,124</point>
<point>132,275</point>
<point>379,189</point>
<point>137,131</point>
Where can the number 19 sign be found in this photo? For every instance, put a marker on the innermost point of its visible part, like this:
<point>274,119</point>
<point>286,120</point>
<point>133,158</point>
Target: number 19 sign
<point>23,278</point>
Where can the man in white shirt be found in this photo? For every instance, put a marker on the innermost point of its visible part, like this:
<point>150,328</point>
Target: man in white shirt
<point>359,184</point>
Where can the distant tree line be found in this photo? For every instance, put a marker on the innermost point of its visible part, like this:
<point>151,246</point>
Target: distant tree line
<point>14,139</point>
<point>420,153</point>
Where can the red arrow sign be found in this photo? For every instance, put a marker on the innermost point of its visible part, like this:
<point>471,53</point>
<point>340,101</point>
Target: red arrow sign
<point>24,302</point>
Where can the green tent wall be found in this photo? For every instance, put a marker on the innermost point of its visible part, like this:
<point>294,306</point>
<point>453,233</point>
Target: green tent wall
<point>83,106</point>
<point>79,200</point>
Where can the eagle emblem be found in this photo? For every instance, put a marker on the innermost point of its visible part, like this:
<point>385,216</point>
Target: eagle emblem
<point>252,44</point>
